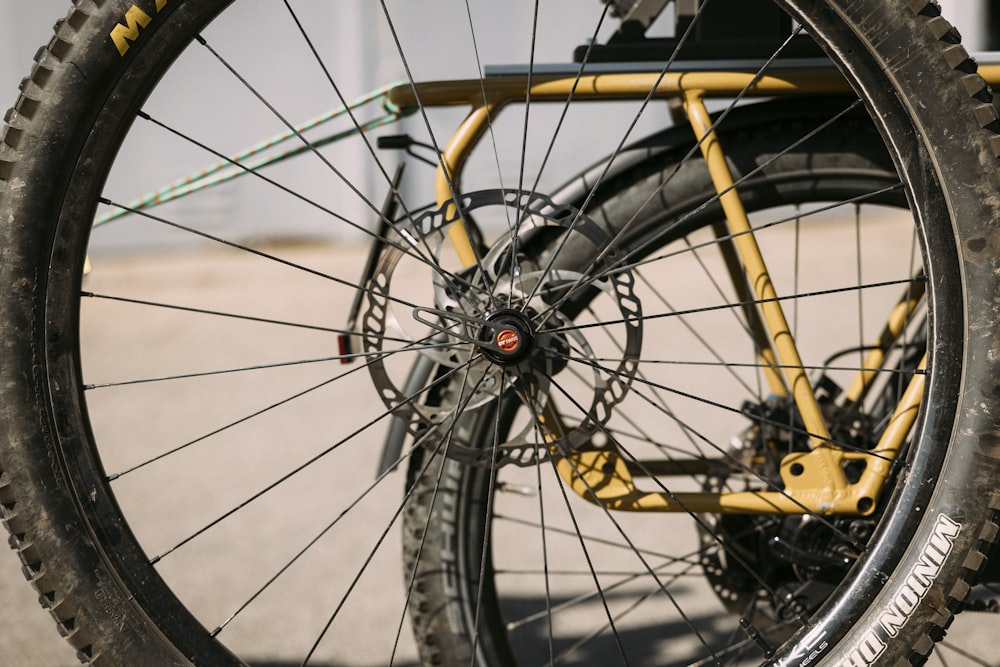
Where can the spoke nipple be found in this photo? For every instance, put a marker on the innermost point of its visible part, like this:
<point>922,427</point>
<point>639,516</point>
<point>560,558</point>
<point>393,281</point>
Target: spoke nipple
<point>754,635</point>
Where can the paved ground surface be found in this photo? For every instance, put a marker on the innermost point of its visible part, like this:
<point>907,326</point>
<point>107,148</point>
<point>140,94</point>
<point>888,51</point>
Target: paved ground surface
<point>28,637</point>
<point>27,634</point>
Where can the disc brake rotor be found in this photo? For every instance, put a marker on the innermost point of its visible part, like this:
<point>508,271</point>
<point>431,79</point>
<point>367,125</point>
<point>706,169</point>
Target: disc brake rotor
<point>503,328</point>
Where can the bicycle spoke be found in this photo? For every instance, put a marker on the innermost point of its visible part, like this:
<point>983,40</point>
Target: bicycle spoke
<point>281,480</point>
<point>628,132</point>
<point>243,420</point>
<point>375,548</point>
<point>593,573</point>
<point>486,534</point>
<point>754,302</point>
<point>726,408</point>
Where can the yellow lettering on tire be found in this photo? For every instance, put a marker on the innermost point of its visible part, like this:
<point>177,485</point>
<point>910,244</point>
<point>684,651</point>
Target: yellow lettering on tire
<point>125,33</point>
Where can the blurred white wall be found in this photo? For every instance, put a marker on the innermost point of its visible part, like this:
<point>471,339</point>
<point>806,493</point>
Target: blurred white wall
<point>970,18</point>
<point>27,24</point>
<point>436,53</point>
<point>437,47</point>
<point>24,26</point>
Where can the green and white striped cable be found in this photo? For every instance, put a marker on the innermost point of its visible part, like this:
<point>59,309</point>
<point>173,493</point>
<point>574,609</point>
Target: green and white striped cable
<point>242,163</point>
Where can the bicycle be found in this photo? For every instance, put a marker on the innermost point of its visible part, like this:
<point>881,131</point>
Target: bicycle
<point>726,396</point>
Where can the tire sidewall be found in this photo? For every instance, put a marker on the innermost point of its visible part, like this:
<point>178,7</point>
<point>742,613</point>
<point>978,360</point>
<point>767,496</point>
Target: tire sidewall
<point>90,95</point>
<point>889,616</point>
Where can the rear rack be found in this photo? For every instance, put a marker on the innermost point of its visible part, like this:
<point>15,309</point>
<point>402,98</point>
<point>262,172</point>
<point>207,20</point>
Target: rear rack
<point>726,30</point>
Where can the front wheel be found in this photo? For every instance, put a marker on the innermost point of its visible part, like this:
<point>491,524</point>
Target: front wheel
<point>186,455</point>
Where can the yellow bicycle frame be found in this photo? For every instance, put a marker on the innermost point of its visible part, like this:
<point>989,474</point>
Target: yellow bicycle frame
<point>814,481</point>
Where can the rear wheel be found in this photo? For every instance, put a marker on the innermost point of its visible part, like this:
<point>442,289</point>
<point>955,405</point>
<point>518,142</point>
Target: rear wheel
<point>511,569</point>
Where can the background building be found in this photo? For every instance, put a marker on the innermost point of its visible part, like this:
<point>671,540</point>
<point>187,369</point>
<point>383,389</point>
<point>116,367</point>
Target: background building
<point>27,24</point>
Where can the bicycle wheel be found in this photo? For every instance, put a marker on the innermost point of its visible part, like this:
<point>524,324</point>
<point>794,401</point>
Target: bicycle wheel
<point>187,460</point>
<point>523,594</point>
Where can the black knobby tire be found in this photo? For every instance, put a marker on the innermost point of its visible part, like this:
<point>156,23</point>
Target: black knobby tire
<point>76,544</point>
<point>110,612</point>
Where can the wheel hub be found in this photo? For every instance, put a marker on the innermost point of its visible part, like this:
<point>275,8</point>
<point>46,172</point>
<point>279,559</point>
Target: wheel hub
<point>509,339</point>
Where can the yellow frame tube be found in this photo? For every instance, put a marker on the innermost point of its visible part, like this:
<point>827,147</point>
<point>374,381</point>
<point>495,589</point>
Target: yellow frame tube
<point>488,96</point>
<point>768,362</point>
<point>617,86</point>
<point>447,185</point>
<point>898,318</point>
<point>760,281</point>
<point>603,477</point>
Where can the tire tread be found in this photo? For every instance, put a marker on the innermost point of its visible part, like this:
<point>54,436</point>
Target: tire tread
<point>17,126</point>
